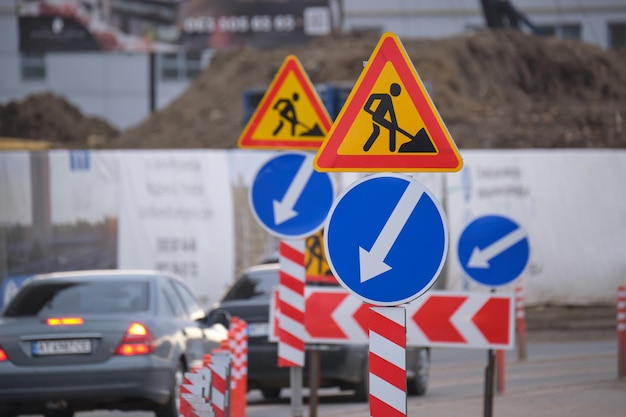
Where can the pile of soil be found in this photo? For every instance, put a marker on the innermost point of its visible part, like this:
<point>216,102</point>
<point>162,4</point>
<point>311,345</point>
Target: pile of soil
<point>494,89</point>
<point>51,118</point>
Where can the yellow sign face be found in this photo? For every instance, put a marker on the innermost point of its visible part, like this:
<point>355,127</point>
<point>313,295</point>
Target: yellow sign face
<point>317,268</point>
<point>389,122</point>
<point>290,114</point>
<point>402,117</point>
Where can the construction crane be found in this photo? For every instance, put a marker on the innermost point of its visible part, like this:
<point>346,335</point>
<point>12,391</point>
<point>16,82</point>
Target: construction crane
<point>500,14</point>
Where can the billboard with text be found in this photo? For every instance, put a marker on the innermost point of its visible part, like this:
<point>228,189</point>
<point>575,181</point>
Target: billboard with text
<point>169,25</point>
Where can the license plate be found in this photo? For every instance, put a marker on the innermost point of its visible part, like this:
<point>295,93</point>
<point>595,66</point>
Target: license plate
<point>61,347</point>
<point>258,329</point>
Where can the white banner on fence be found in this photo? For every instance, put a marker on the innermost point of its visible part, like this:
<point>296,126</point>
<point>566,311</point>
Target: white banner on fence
<point>183,210</point>
<point>570,202</point>
<point>176,214</point>
<point>15,190</point>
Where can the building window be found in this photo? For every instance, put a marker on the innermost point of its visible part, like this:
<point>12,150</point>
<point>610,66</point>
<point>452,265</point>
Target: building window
<point>567,31</point>
<point>617,35</point>
<point>180,66</point>
<point>33,67</point>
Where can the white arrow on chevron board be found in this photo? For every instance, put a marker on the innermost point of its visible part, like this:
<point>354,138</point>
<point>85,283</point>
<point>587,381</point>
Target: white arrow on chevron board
<point>462,319</point>
<point>344,317</point>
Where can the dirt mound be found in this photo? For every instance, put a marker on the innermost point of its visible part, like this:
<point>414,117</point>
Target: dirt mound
<point>51,118</point>
<point>494,89</point>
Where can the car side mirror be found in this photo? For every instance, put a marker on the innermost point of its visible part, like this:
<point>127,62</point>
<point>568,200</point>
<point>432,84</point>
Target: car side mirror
<point>218,317</point>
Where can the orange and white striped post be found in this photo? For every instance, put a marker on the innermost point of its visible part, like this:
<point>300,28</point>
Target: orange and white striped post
<point>520,320</point>
<point>291,304</point>
<point>621,331</point>
<point>500,371</point>
<point>238,338</point>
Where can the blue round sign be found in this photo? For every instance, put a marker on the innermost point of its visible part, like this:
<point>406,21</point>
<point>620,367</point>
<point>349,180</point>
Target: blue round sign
<point>289,198</point>
<point>386,239</point>
<point>493,250</point>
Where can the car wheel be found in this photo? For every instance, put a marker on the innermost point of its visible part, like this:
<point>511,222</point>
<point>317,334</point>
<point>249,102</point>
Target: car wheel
<point>361,391</point>
<point>419,384</point>
<point>362,388</point>
<point>170,409</point>
<point>270,393</point>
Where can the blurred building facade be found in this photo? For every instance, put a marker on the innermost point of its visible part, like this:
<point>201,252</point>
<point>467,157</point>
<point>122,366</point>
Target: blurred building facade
<point>124,87</point>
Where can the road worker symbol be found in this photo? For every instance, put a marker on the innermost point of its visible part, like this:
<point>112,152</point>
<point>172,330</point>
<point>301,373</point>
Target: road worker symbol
<point>288,115</point>
<point>388,123</point>
<point>380,106</point>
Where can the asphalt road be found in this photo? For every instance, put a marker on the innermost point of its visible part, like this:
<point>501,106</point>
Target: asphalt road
<point>570,370</point>
<point>571,378</point>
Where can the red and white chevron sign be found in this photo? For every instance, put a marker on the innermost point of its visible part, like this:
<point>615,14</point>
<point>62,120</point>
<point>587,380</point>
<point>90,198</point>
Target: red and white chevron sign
<point>437,318</point>
<point>335,316</point>
<point>472,320</point>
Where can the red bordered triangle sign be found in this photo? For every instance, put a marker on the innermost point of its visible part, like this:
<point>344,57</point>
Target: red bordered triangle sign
<point>290,115</point>
<point>388,123</point>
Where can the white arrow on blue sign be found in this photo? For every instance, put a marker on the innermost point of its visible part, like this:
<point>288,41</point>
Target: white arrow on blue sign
<point>386,239</point>
<point>493,250</point>
<point>289,198</point>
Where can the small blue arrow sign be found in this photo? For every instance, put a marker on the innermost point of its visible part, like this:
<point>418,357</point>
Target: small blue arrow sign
<point>289,198</point>
<point>493,250</point>
<point>386,239</point>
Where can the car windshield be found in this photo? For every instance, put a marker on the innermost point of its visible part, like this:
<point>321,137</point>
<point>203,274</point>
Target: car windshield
<point>253,285</point>
<point>71,297</point>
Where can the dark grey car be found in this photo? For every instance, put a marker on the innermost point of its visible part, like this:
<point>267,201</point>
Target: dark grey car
<point>343,366</point>
<point>87,340</point>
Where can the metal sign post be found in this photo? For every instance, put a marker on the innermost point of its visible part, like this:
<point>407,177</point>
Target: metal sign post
<point>493,251</point>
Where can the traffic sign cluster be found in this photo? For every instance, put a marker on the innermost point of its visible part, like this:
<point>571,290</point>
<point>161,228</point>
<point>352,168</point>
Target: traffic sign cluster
<point>386,236</point>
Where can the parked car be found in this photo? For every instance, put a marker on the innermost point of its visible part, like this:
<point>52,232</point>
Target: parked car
<point>343,366</point>
<point>114,339</point>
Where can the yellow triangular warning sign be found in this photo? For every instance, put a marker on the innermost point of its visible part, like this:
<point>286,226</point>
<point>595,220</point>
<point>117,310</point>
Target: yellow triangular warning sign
<point>290,115</point>
<point>388,123</point>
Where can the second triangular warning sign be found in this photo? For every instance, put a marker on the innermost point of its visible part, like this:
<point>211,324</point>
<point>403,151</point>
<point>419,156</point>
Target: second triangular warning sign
<point>388,122</point>
<point>290,114</point>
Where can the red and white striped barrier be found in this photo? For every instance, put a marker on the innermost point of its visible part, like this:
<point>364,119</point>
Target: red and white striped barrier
<point>220,363</point>
<point>238,338</point>
<point>218,388</point>
<point>193,405</point>
<point>197,383</point>
<point>387,361</point>
<point>291,332</point>
<point>621,331</point>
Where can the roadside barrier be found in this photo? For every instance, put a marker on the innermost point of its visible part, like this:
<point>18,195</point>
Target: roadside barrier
<point>621,331</point>
<point>238,344</point>
<point>219,387</point>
